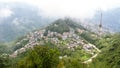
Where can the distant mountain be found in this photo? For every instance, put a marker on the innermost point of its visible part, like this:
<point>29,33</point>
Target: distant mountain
<point>110,19</point>
<point>16,19</point>
<point>19,18</point>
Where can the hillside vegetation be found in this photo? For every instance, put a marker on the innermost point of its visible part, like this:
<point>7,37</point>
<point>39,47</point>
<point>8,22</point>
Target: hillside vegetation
<point>62,44</point>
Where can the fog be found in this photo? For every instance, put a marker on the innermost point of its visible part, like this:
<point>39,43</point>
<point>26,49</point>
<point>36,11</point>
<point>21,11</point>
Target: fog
<point>73,8</point>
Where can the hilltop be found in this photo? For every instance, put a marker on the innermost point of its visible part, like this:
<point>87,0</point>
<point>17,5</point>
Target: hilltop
<point>64,34</point>
<point>65,42</point>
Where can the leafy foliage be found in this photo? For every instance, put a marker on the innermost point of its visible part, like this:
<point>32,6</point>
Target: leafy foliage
<point>19,43</point>
<point>88,36</point>
<point>59,26</point>
<point>109,58</point>
<point>40,57</point>
<point>63,25</point>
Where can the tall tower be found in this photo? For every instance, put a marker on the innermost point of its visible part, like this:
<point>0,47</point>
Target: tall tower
<point>100,25</point>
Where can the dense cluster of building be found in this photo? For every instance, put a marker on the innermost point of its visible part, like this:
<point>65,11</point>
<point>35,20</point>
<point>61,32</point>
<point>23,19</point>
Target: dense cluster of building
<point>72,40</point>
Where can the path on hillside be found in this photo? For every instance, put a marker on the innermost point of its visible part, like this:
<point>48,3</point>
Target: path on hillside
<point>94,56</point>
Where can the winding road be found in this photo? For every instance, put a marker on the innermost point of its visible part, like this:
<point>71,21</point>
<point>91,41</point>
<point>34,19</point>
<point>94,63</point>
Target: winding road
<point>94,56</point>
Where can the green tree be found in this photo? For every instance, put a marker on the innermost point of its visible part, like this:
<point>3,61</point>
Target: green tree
<point>4,62</point>
<point>40,57</point>
<point>110,56</point>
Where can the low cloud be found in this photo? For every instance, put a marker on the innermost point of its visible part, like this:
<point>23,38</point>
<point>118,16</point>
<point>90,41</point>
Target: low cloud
<point>73,8</point>
<point>5,12</point>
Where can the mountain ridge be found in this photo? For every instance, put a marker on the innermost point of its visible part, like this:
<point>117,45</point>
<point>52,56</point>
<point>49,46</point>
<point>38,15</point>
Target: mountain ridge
<point>67,39</point>
<point>18,19</point>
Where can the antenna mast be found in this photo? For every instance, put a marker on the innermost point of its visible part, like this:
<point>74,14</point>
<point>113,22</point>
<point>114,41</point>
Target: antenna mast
<point>100,25</point>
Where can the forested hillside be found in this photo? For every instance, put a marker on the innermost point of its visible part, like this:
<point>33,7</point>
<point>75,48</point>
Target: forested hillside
<point>109,57</point>
<point>64,43</point>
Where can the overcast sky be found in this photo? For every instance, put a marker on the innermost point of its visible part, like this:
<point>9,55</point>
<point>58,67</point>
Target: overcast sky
<point>73,8</point>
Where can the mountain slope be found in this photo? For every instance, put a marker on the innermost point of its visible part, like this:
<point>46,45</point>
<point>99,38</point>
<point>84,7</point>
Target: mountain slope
<point>69,43</point>
<point>111,54</point>
<point>18,18</point>
<point>74,48</point>
<point>64,25</point>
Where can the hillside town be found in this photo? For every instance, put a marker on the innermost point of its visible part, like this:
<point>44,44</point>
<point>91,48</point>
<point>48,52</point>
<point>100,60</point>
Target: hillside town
<point>69,40</point>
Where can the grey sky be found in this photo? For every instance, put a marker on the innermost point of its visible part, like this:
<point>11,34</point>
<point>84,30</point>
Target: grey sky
<point>74,8</point>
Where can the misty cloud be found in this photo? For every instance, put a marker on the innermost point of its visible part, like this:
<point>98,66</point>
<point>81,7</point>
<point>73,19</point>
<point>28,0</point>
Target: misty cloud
<point>73,8</point>
<point>5,12</point>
